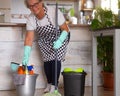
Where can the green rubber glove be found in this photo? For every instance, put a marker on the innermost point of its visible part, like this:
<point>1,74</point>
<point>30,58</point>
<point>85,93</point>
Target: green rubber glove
<point>60,40</point>
<point>27,50</point>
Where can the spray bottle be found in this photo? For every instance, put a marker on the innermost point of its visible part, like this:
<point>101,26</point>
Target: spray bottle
<point>20,69</point>
<point>26,70</point>
<point>30,69</point>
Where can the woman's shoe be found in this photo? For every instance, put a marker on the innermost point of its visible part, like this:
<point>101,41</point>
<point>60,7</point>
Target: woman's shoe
<point>47,89</point>
<point>52,89</point>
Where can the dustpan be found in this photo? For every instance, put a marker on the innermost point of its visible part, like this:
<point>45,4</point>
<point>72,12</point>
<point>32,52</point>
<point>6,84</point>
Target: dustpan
<point>55,93</point>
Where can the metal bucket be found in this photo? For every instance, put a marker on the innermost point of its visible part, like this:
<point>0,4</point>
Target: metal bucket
<point>28,89</point>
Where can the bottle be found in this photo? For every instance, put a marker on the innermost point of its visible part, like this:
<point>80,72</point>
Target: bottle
<point>20,69</point>
<point>31,72</point>
<point>26,70</point>
<point>30,69</point>
<point>81,16</point>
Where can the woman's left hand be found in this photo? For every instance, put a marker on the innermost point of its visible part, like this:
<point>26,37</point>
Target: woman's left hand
<point>57,44</point>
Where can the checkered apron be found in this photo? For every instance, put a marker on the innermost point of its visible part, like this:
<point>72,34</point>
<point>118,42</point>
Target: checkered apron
<point>46,36</point>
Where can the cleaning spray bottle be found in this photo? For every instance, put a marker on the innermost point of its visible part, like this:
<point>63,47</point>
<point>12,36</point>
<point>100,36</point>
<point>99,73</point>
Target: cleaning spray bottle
<point>30,69</point>
<point>26,70</point>
<point>20,69</point>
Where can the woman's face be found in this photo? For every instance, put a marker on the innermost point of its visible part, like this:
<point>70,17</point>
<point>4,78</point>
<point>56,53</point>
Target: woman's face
<point>35,6</point>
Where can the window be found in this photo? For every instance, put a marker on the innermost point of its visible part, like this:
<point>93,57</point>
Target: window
<point>110,4</point>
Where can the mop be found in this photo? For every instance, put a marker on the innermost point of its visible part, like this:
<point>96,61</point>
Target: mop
<point>55,93</point>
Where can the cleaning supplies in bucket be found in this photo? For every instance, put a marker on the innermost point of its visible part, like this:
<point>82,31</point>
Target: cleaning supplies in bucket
<point>20,73</point>
<point>22,69</point>
<point>30,69</point>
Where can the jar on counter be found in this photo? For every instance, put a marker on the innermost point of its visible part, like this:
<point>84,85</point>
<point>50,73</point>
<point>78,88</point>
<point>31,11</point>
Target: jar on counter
<point>89,4</point>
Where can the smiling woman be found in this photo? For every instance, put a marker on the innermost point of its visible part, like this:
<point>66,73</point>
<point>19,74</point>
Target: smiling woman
<point>36,7</point>
<point>51,40</point>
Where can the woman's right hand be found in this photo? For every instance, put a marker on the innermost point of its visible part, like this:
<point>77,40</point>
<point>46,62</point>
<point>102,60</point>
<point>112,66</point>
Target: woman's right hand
<point>27,46</point>
<point>27,51</point>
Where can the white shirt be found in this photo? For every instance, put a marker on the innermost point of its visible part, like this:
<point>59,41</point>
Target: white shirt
<point>31,22</point>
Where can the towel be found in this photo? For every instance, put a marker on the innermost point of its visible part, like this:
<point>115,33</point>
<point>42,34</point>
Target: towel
<point>19,79</point>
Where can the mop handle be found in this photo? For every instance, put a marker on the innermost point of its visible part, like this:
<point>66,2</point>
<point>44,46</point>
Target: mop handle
<point>56,55</point>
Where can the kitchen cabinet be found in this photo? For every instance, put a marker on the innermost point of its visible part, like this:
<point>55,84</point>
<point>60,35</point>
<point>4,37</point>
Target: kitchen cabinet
<point>115,33</point>
<point>11,45</point>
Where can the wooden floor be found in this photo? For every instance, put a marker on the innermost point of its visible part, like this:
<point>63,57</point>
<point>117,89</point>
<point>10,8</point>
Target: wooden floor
<point>39,92</point>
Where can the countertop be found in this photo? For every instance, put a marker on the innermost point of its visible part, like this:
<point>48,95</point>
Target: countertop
<point>12,24</point>
<point>79,25</point>
<point>23,25</point>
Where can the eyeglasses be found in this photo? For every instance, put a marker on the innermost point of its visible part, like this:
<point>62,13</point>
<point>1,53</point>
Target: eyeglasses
<point>34,5</point>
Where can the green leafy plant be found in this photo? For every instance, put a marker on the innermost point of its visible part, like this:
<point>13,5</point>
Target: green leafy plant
<point>105,53</point>
<point>72,12</point>
<point>104,18</point>
<point>105,59</point>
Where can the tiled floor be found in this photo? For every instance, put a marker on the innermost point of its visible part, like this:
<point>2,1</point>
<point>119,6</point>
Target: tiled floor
<point>39,92</point>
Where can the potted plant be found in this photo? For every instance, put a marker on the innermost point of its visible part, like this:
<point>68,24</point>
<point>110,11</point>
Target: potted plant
<point>105,19</point>
<point>105,59</point>
<point>105,53</point>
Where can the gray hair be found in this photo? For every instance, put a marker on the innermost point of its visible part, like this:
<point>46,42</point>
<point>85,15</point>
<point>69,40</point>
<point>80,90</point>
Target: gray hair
<point>26,2</point>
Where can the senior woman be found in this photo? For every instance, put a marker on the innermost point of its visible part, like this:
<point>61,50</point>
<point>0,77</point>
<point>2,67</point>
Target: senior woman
<point>41,22</point>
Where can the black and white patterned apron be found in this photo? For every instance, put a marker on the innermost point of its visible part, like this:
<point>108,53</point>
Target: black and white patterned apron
<point>46,36</point>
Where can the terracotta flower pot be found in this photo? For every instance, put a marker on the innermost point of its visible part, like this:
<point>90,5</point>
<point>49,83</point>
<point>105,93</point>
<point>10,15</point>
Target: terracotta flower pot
<point>108,80</point>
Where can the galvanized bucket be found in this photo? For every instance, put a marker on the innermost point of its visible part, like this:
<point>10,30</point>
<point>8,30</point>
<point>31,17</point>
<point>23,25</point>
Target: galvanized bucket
<point>28,88</point>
